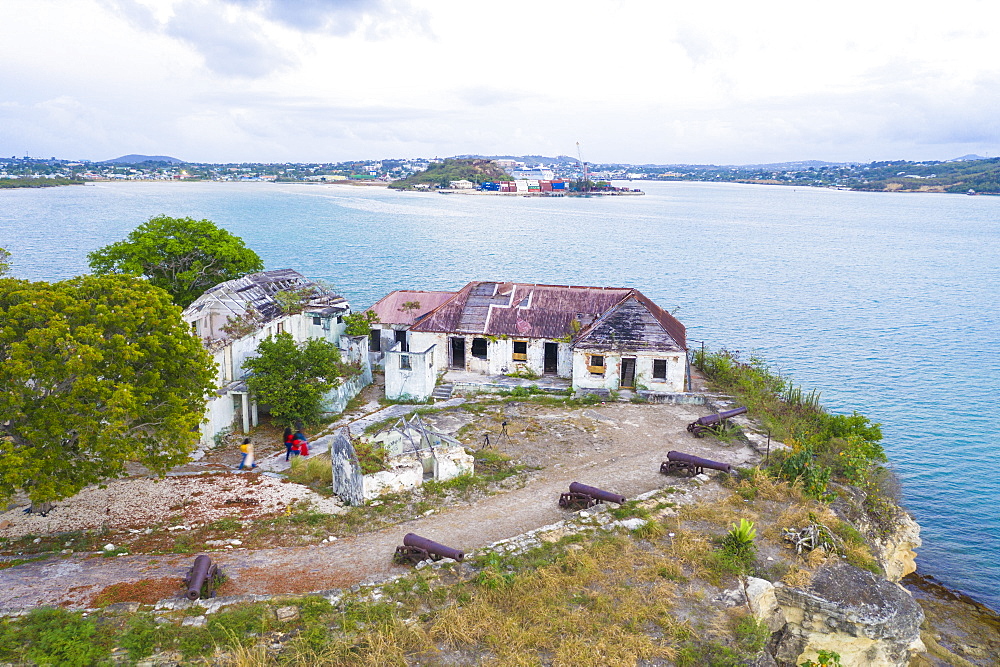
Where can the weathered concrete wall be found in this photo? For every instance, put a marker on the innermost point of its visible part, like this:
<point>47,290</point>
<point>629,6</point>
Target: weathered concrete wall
<point>353,349</point>
<point>406,474</point>
<point>417,381</point>
<point>219,416</point>
<point>347,478</point>
<point>611,379</point>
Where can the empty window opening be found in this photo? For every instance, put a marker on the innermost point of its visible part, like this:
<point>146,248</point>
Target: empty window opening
<point>520,350</point>
<point>317,321</point>
<point>401,339</point>
<point>659,369</point>
<point>404,362</point>
<point>376,340</point>
<point>479,348</point>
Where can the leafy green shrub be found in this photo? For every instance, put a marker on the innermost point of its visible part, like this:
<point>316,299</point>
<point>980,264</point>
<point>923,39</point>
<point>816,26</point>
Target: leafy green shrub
<point>738,543</point>
<point>800,465</point>
<point>139,637</point>
<point>826,659</point>
<point>58,637</point>
<point>751,635</point>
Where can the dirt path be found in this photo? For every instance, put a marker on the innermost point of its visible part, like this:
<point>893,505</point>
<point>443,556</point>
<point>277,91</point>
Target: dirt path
<point>617,447</point>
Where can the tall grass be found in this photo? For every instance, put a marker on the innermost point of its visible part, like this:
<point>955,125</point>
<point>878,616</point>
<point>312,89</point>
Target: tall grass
<point>312,471</point>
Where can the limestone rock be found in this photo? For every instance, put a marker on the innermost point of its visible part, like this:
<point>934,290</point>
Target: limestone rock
<point>898,551</point>
<point>764,604</point>
<point>286,613</point>
<point>867,620</point>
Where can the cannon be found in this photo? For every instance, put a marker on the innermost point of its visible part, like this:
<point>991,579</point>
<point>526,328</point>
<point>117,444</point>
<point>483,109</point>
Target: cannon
<point>691,465</point>
<point>416,549</point>
<point>581,496</point>
<point>202,579</point>
<point>709,423</point>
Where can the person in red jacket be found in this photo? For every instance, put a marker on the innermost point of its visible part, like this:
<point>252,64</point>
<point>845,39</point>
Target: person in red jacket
<point>299,443</point>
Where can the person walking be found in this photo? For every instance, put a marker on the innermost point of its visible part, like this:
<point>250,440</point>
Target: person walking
<point>299,441</point>
<point>247,460</point>
<point>288,442</point>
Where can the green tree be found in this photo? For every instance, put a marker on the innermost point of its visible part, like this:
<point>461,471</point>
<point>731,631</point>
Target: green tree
<point>360,324</point>
<point>4,262</point>
<point>95,372</point>
<point>181,255</point>
<point>292,378</point>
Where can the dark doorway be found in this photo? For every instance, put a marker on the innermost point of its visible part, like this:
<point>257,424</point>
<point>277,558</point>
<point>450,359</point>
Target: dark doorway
<point>628,373</point>
<point>458,353</point>
<point>551,358</point>
<point>401,339</point>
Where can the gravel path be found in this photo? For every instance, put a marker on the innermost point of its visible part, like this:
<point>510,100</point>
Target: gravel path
<point>618,447</point>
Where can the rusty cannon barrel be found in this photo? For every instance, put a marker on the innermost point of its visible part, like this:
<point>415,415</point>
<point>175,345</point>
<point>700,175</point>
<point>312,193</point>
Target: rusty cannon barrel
<point>416,548</point>
<point>581,496</point>
<point>705,424</point>
<point>203,575</point>
<point>691,465</point>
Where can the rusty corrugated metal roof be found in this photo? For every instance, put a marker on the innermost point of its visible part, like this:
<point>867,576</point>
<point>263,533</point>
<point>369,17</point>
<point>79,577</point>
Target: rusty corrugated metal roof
<point>390,307</point>
<point>521,309</point>
<point>607,317</point>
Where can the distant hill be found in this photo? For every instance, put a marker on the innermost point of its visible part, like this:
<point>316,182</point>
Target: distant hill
<point>981,176</point>
<point>139,159</point>
<point>442,173</point>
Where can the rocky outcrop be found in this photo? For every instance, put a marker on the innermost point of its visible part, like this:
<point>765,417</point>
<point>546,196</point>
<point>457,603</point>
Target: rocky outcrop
<point>866,619</point>
<point>897,552</point>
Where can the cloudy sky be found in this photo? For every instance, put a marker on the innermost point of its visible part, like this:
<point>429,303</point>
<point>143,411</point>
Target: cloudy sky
<point>632,81</point>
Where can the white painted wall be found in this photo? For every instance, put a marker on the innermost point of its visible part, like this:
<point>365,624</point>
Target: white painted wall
<point>611,380</point>
<point>417,381</point>
<point>231,357</point>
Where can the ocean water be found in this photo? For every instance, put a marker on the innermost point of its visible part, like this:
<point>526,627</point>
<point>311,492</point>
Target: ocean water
<point>887,303</point>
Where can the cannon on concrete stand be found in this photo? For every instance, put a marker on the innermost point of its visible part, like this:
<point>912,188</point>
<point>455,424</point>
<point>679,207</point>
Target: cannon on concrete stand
<point>416,548</point>
<point>691,465</point>
<point>581,496</point>
<point>202,579</point>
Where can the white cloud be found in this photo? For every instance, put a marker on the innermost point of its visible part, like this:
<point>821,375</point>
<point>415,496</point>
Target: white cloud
<point>641,81</point>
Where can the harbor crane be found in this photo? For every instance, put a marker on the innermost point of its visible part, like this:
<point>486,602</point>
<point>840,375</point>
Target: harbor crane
<point>583,167</point>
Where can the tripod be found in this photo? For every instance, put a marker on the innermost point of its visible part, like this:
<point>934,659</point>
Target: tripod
<point>501,437</point>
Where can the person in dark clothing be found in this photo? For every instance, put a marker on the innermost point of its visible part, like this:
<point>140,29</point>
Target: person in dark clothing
<point>288,442</point>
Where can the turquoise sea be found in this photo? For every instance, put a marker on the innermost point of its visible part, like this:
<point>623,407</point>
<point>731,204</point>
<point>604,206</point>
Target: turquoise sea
<point>887,303</point>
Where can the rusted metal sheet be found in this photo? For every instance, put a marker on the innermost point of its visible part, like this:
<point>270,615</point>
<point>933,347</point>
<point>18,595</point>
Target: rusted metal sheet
<point>390,307</point>
<point>520,309</point>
